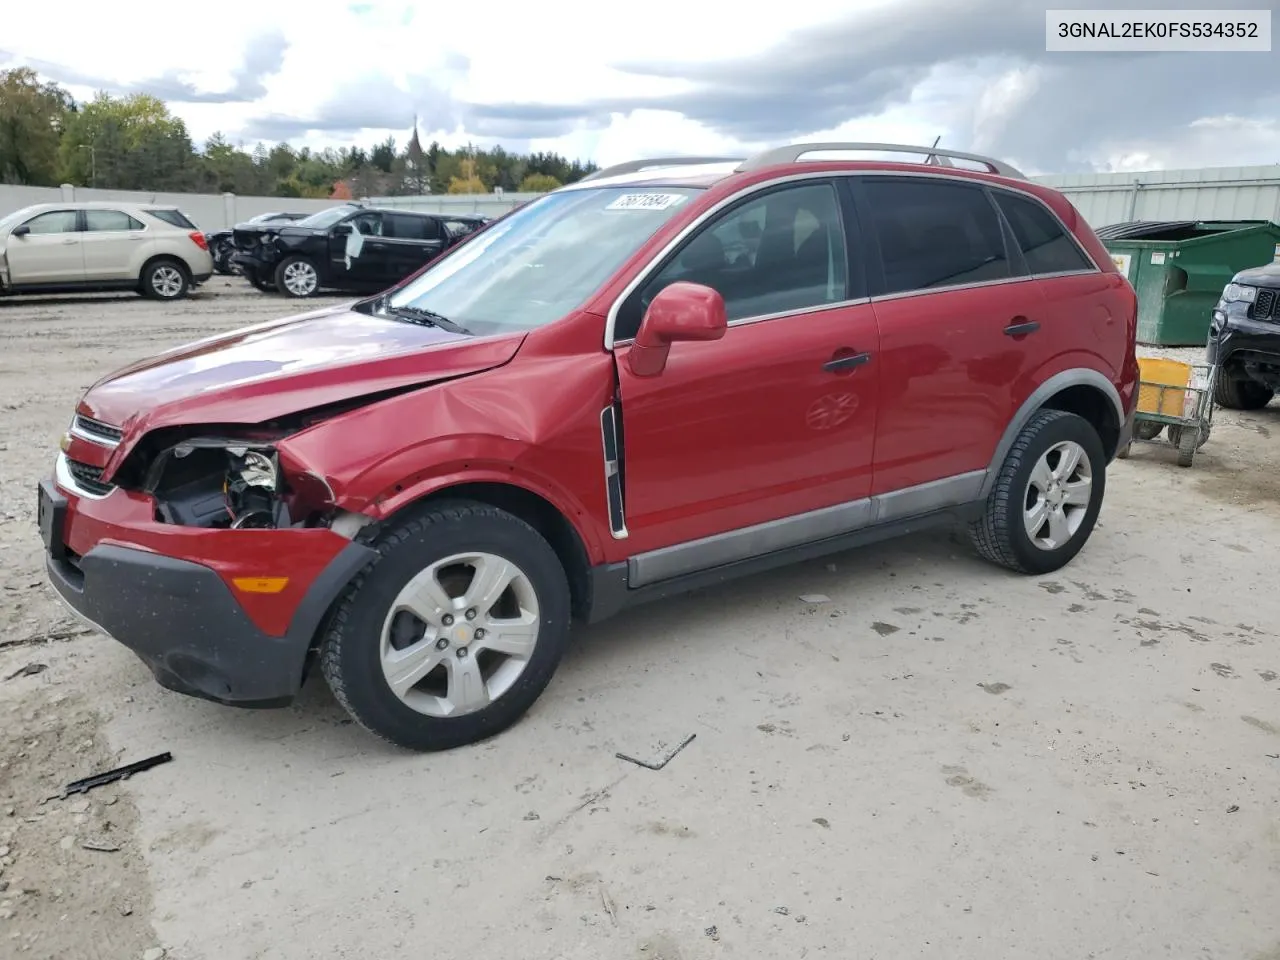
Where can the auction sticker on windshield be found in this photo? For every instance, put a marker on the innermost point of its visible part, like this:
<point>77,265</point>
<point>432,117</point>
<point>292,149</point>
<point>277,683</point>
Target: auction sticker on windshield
<point>645,201</point>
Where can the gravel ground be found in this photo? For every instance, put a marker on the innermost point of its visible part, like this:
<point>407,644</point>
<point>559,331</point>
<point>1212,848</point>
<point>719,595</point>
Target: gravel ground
<point>940,760</point>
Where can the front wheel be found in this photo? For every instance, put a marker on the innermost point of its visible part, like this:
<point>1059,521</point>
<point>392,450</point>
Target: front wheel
<point>1242,394</point>
<point>1045,501</point>
<point>258,283</point>
<point>452,632</point>
<point>297,277</point>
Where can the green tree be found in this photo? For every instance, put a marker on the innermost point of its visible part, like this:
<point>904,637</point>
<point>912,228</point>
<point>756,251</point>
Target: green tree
<point>539,183</point>
<point>128,144</point>
<point>33,116</point>
<point>384,155</point>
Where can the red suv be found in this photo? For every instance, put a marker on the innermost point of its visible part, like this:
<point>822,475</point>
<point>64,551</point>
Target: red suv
<point>670,373</point>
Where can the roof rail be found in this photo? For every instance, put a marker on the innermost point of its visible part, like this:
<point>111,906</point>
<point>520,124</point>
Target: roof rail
<point>634,166</point>
<point>934,156</point>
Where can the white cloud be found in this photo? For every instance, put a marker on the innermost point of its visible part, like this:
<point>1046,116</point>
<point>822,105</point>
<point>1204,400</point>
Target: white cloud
<point>381,58</point>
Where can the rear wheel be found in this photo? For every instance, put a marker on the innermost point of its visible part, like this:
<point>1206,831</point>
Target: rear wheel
<point>165,280</point>
<point>1240,394</point>
<point>1046,497</point>
<point>453,632</point>
<point>297,277</point>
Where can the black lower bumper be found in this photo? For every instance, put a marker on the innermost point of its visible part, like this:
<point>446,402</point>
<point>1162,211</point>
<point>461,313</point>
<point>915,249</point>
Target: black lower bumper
<point>252,264</point>
<point>182,620</point>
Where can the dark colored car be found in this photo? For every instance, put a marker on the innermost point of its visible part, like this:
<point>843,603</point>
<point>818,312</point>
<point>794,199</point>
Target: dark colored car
<point>351,248</point>
<point>650,381</point>
<point>1244,339</point>
<point>222,242</point>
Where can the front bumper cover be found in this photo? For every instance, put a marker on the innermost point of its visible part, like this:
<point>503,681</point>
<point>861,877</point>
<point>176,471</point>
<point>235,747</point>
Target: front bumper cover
<point>181,618</point>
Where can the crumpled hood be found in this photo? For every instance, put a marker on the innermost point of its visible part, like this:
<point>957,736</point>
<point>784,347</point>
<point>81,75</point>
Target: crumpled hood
<point>1267,275</point>
<point>285,366</point>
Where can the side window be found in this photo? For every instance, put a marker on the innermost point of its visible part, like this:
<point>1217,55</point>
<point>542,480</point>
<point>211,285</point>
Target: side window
<point>55,221</point>
<point>103,220</point>
<point>933,233</point>
<point>175,218</point>
<point>402,226</point>
<point>780,252</point>
<point>370,224</point>
<point>1044,243</point>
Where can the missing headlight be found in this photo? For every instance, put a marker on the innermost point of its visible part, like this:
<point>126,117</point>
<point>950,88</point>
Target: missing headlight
<point>252,489</point>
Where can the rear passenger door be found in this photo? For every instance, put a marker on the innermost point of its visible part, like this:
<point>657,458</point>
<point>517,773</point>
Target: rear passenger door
<point>113,245</point>
<point>953,306</point>
<point>412,242</point>
<point>1080,301</point>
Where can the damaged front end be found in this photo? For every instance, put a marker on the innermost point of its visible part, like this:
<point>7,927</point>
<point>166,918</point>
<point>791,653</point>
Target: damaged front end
<point>232,478</point>
<point>236,484</point>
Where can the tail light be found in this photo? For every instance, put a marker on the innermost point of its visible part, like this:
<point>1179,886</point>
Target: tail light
<point>198,239</point>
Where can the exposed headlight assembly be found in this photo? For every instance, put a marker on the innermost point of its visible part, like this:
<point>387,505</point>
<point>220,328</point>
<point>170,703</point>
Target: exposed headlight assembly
<point>252,489</point>
<point>1239,293</point>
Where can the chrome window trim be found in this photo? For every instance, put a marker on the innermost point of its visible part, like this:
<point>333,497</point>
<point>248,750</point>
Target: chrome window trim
<point>647,271</point>
<point>65,479</point>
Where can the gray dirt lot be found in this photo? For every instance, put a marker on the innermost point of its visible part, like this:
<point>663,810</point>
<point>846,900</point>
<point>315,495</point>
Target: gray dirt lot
<point>941,761</point>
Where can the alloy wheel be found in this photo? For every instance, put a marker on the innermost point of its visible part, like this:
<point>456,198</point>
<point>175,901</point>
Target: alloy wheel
<point>166,281</point>
<point>460,634</point>
<point>1058,495</point>
<point>300,278</point>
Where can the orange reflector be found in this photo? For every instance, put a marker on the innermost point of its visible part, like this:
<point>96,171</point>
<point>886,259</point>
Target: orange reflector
<point>65,443</point>
<point>261,584</point>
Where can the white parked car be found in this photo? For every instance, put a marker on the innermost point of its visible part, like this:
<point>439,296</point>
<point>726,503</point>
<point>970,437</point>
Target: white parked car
<point>74,247</point>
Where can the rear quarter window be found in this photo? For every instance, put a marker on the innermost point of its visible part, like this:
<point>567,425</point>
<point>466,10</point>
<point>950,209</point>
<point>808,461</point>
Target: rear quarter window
<point>174,218</point>
<point>1045,244</point>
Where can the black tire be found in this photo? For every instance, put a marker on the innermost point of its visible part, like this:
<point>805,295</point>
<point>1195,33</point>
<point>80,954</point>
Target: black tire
<point>1182,438</point>
<point>165,279</point>
<point>1187,445</point>
<point>1147,429</point>
<point>350,648</point>
<point>1000,535</point>
<point>256,281</point>
<point>1241,394</point>
<point>284,271</point>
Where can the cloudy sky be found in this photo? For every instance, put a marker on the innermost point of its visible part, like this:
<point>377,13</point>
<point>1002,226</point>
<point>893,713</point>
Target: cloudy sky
<point>665,76</point>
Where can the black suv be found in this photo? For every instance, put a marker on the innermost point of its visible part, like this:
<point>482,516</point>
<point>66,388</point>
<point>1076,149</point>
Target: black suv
<point>350,248</point>
<point>1244,339</point>
<point>222,244</point>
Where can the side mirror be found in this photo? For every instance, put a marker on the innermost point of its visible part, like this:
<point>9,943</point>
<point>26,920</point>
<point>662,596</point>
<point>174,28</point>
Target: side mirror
<point>342,229</point>
<point>20,231</point>
<point>682,311</point>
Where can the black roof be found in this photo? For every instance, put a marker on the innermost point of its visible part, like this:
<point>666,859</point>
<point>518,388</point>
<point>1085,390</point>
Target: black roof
<point>1136,229</point>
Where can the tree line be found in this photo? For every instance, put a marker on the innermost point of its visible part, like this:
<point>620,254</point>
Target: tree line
<point>135,143</point>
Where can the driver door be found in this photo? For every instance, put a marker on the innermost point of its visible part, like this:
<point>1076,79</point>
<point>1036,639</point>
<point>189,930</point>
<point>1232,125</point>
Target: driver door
<point>773,421</point>
<point>50,252</point>
<point>357,257</point>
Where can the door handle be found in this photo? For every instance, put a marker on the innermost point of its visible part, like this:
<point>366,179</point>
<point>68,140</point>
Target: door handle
<point>837,364</point>
<point>1021,328</point>
<point>71,240</point>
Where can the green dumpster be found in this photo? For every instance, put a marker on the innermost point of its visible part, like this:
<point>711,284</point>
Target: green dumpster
<point>1179,268</point>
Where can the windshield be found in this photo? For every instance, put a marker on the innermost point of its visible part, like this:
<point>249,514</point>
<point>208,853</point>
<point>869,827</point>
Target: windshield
<point>14,218</point>
<point>326,218</point>
<point>544,260</point>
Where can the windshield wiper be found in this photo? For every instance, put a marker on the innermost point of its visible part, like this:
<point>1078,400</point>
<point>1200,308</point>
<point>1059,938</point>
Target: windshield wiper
<point>427,317</point>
